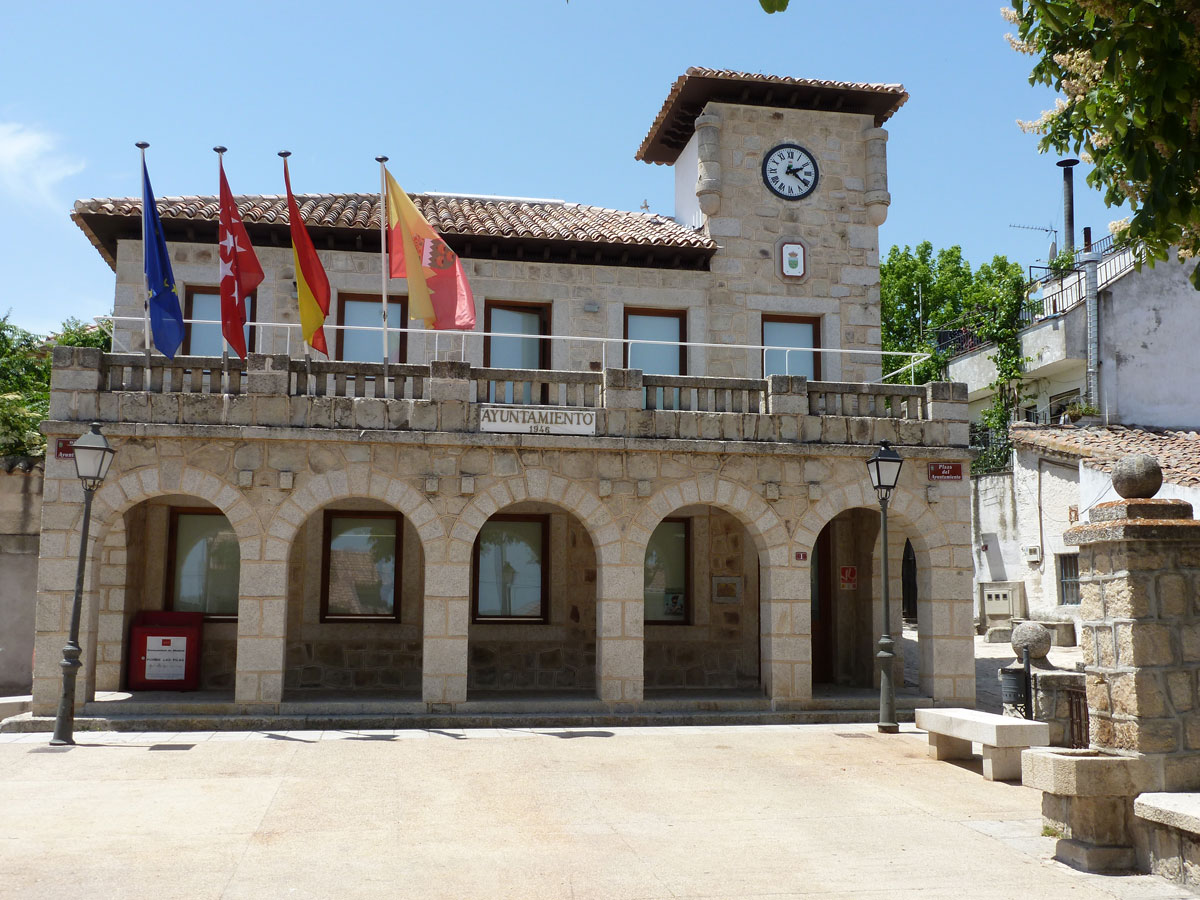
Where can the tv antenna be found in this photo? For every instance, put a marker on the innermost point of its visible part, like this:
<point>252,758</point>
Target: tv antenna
<point>1045,229</point>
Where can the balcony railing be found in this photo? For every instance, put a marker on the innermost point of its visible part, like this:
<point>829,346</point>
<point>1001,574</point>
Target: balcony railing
<point>276,391</point>
<point>601,352</point>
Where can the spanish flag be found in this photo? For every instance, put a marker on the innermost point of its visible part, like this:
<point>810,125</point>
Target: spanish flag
<point>312,284</point>
<point>438,291</point>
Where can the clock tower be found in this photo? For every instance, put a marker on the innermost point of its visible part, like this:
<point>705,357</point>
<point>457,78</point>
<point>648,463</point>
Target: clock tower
<point>789,177</point>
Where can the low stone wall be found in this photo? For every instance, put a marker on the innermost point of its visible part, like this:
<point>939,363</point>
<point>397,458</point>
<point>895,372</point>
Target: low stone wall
<point>20,522</point>
<point>384,665</point>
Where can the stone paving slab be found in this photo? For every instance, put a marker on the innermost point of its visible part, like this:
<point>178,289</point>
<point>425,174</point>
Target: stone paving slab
<point>708,812</point>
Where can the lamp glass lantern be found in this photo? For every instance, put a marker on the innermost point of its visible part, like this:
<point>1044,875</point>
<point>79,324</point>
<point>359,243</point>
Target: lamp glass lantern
<point>93,456</point>
<point>884,468</point>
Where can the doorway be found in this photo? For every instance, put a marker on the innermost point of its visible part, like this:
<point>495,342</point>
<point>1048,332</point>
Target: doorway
<point>908,583</point>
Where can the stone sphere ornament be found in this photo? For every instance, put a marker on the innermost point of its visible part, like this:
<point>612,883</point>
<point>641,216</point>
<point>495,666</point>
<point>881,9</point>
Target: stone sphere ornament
<point>1033,635</point>
<point>1137,477</point>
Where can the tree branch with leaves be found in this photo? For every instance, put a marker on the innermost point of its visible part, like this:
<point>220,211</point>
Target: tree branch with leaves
<point>1129,73</point>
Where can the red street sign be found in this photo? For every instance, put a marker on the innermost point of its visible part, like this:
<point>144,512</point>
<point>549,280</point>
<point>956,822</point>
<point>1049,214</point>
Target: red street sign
<point>801,555</point>
<point>64,448</point>
<point>945,471</point>
<point>849,578</point>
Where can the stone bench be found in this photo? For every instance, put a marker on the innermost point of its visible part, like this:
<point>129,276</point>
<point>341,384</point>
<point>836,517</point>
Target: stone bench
<point>1173,839</point>
<point>1002,738</point>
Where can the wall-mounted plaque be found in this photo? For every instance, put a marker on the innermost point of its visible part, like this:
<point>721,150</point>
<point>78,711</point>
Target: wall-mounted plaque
<point>537,419</point>
<point>727,589</point>
<point>791,259</point>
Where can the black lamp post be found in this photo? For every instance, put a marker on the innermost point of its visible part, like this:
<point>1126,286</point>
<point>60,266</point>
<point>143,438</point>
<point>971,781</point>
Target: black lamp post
<point>884,468</point>
<point>93,456</point>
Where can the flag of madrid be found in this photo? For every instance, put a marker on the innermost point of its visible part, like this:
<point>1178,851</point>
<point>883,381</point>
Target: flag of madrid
<point>240,270</point>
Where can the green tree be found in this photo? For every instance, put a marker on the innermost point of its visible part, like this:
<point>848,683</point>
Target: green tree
<point>25,380</point>
<point>923,292</point>
<point>920,292</point>
<point>1129,71</point>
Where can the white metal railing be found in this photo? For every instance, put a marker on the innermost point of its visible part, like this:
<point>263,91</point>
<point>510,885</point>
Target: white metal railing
<point>623,345</point>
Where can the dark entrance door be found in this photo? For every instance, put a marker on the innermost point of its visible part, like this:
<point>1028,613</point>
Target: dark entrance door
<point>908,575</point>
<point>822,608</point>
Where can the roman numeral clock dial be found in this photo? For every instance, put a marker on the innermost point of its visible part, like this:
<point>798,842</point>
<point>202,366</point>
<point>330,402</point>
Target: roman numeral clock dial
<point>789,171</point>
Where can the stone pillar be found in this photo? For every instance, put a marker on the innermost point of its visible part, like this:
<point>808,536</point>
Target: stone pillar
<point>450,392</point>
<point>261,631</point>
<point>786,627</point>
<point>622,399</point>
<point>946,404</point>
<point>620,632</point>
<point>787,395</point>
<point>446,617</point>
<point>75,384</point>
<point>1139,579</point>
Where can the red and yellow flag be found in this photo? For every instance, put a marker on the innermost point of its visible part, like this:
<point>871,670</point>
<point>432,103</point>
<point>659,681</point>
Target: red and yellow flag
<point>312,284</point>
<point>438,291</point>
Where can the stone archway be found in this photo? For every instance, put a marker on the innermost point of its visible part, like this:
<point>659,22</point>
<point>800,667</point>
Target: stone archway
<point>944,608</point>
<point>103,623</point>
<point>448,600</point>
<point>316,492</point>
<point>783,614</point>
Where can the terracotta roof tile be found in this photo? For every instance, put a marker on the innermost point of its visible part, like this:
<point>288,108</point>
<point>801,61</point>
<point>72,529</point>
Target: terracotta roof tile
<point>496,217</point>
<point>675,122</point>
<point>1178,452</point>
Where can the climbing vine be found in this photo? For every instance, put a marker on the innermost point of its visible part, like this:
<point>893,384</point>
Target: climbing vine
<point>996,314</point>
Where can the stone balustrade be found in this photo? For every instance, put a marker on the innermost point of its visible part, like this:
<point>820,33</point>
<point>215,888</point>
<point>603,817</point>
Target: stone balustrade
<point>445,396</point>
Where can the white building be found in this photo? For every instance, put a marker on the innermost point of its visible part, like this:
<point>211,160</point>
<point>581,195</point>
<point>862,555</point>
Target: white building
<point>1145,389</point>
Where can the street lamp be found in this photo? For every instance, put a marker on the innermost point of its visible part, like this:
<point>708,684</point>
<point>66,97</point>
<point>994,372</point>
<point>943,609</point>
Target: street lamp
<point>884,468</point>
<point>93,456</point>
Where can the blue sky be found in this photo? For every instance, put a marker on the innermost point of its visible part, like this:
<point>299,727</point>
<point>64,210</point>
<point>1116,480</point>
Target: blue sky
<point>534,98</point>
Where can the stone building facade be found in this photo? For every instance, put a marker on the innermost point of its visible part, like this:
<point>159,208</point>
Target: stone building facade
<point>758,472</point>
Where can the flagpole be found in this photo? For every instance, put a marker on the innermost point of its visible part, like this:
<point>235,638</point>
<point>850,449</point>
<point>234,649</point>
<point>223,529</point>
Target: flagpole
<point>220,151</point>
<point>142,145</point>
<point>383,218</point>
<point>284,154</point>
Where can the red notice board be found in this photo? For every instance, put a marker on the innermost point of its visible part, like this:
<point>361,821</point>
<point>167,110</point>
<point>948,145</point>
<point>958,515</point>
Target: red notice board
<point>164,651</point>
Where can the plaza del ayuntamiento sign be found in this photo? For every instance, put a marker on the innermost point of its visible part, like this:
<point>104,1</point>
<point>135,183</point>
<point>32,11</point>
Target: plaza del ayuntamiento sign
<point>537,420</point>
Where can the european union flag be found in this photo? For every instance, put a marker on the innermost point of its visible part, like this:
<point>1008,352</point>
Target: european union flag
<point>166,318</point>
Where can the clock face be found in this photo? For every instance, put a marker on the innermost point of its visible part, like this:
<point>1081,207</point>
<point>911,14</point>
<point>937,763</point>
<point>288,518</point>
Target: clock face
<point>789,171</point>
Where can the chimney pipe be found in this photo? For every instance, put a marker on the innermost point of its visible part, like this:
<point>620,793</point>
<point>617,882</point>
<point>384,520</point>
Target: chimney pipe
<point>1087,239</point>
<point>1068,202</point>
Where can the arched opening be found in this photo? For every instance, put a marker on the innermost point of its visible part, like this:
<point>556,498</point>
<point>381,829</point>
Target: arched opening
<point>847,609</point>
<point>843,601</point>
<point>174,553</point>
<point>355,589</point>
<point>533,604</point>
<point>908,580</point>
<point>701,595</point>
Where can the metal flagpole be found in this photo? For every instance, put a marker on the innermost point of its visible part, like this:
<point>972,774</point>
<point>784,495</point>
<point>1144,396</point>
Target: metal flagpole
<point>284,154</point>
<point>383,271</point>
<point>142,145</point>
<point>220,151</point>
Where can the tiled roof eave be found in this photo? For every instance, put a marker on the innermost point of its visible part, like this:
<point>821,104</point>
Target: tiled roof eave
<point>675,121</point>
<point>465,222</point>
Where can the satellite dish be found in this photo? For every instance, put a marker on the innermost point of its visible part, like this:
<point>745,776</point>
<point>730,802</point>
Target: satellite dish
<point>1053,251</point>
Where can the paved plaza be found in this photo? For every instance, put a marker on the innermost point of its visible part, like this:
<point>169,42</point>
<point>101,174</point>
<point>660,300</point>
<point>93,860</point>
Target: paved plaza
<point>688,812</point>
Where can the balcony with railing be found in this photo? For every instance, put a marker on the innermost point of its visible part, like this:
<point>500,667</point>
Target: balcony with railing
<point>312,398</point>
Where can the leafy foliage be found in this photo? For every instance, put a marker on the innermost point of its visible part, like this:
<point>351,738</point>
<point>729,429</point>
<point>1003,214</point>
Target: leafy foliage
<point>985,304</point>
<point>773,6</point>
<point>1130,73</point>
<point>25,381</point>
